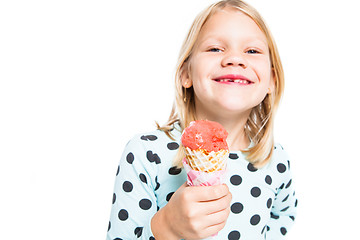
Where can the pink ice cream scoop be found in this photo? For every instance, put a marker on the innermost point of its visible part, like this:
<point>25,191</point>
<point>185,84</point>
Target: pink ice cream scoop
<point>206,135</point>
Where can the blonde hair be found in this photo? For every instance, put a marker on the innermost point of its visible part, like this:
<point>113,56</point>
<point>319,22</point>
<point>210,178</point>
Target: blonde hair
<point>259,126</point>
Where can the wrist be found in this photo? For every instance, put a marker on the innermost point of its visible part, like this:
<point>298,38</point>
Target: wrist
<point>160,227</point>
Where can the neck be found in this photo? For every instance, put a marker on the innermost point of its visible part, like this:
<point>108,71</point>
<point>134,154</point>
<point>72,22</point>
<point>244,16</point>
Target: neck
<point>237,138</point>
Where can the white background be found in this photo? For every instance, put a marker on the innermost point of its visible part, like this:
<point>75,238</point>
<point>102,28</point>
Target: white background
<point>79,78</point>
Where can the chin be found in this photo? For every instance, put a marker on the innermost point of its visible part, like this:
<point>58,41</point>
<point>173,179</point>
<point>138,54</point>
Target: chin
<point>236,105</point>
<point>235,110</point>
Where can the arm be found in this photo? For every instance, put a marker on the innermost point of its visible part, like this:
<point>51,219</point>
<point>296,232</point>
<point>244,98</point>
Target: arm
<point>134,201</point>
<point>283,210</point>
<point>192,212</point>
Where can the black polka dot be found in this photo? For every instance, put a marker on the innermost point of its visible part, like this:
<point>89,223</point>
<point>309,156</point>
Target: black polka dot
<point>157,184</point>
<point>172,146</point>
<point>251,167</point>
<point>138,231</point>
<point>127,186</point>
<point>109,226</point>
<point>169,196</point>
<point>255,220</point>
<point>281,168</point>
<point>284,209</point>
<point>118,170</point>
<point>130,158</point>
<point>283,231</point>
<point>269,202</point>
<point>114,198</point>
<point>234,235</point>
<point>286,198</point>
<point>268,179</point>
<point>289,184</point>
<point>145,204</point>
<point>233,156</point>
<point>118,239</point>
<point>148,137</point>
<point>174,171</point>
<point>274,216</point>
<point>288,163</point>
<point>263,230</point>
<point>123,215</point>
<point>151,238</point>
<point>292,218</point>
<point>237,208</point>
<point>143,178</point>
<point>255,192</point>
<point>296,203</point>
<point>153,157</point>
<point>235,180</point>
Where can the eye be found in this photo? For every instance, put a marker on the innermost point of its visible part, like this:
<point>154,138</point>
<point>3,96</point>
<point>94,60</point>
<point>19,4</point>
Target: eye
<point>214,49</point>
<point>252,51</point>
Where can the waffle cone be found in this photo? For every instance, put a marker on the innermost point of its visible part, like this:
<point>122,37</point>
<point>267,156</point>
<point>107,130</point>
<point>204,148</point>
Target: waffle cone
<point>201,160</point>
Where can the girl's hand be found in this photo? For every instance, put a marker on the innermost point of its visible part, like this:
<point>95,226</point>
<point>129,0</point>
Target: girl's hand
<point>193,213</point>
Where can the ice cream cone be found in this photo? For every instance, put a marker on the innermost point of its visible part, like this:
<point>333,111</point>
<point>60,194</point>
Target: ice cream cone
<point>202,160</point>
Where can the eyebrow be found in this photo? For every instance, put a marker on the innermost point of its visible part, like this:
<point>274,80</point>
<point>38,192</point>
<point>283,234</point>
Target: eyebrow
<point>251,40</point>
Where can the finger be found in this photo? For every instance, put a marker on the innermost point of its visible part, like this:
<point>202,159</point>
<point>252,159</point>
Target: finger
<point>209,193</point>
<point>208,226</point>
<point>217,223</point>
<point>214,229</point>
<point>218,217</point>
<point>217,205</point>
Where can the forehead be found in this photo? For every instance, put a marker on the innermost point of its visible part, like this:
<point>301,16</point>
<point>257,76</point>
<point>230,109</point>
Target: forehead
<point>231,23</point>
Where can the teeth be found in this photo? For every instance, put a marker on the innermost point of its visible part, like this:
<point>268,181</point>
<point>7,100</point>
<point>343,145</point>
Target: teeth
<point>234,80</point>
<point>240,81</point>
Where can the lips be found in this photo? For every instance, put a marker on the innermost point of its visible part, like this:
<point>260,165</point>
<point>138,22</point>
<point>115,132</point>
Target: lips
<point>233,78</point>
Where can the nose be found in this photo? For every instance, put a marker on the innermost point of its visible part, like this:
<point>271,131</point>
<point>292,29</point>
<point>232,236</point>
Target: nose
<point>234,60</point>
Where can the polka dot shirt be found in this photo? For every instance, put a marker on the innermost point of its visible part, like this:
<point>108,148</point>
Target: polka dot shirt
<point>263,202</point>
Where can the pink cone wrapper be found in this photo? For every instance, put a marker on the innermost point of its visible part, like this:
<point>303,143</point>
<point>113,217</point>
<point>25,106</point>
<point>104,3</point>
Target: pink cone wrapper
<point>198,178</point>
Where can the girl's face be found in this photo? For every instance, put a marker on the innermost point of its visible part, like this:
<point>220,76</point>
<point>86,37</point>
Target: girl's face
<point>230,67</point>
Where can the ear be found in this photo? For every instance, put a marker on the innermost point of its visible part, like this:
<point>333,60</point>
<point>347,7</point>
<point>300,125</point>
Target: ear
<point>186,81</point>
<point>272,82</point>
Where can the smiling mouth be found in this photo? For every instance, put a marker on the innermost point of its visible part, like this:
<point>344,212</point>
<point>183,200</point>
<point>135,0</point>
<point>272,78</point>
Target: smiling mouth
<point>233,79</point>
<point>241,81</point>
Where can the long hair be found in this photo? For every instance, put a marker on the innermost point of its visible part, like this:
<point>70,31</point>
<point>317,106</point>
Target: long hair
<point>259,125</point>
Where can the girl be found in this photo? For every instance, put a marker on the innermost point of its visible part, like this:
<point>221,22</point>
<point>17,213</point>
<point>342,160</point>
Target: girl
<point>229,71</point>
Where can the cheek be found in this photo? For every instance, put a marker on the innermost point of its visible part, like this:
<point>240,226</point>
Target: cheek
<point>263,71</point>
<point>201,67</point>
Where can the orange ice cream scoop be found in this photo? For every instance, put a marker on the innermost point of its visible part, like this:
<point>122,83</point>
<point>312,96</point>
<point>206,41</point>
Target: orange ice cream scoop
<point>206,135</point>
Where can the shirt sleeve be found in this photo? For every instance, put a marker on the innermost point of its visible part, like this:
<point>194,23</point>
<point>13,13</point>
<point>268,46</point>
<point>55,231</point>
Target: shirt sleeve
<point>134,201</point>
<point>283,210</point>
